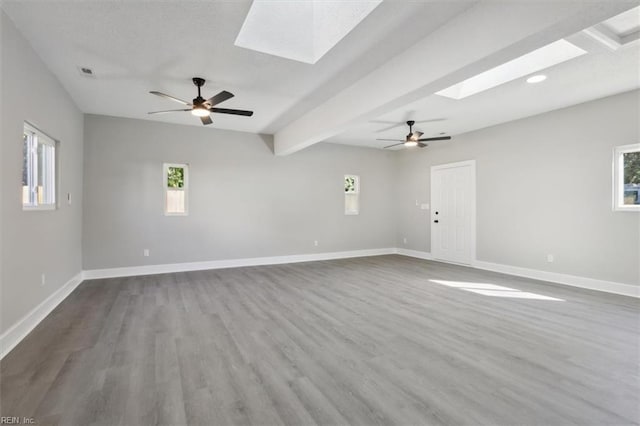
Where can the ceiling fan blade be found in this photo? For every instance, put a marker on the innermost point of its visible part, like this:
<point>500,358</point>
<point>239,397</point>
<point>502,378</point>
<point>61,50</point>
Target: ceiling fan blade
<point>164,95</point>
<point>384,129</point>
<point>219,98</point>
<point>422,145</point>
<point>169,110</point>
<point>206,120</point>
<point>390,140</point>
<point>395,144</point>
<point>232,111</point>
<point>432,120</point>
<point>440,138</point>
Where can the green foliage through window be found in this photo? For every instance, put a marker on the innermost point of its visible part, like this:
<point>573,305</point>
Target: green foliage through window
<point>632,167</point>
<point>175,177</point>
<point>349,184</point>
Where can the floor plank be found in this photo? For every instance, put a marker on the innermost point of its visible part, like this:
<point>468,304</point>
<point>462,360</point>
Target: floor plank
<point>379,340</point>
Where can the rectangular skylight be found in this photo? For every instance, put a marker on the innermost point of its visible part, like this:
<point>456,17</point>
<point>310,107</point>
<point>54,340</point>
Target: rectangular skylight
<point>539,59</point>
<point>302,30</point>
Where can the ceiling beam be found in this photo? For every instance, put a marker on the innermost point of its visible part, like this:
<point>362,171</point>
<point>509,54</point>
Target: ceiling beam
<point>484,36</point>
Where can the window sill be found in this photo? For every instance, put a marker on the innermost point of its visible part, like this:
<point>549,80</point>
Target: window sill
<point>634,208</point>
<point>39,208</point>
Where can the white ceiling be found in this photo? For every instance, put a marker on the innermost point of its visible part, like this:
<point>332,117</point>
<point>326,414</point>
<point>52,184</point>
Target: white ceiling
<point>137,46</point>
<point>304,30</point>
<point>601,72</point>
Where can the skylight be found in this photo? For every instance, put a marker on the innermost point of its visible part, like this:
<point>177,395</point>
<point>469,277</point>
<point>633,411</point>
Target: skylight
<point>302,30</point>
<point>625,23</point>
<point>544,57</point>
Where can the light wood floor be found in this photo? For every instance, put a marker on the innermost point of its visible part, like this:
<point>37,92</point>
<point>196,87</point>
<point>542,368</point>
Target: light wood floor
<point>362,341</point>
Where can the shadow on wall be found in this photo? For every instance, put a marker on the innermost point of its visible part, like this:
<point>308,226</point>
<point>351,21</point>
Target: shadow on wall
<point>268,141</point>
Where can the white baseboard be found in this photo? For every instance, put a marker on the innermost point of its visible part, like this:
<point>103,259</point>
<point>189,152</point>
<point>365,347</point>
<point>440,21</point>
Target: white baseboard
<point>10,338</point>
<point>536,274</point>
<point>229,263</point>
<point>415,253</point>
<point>14,335</point>
<point>558,278</point>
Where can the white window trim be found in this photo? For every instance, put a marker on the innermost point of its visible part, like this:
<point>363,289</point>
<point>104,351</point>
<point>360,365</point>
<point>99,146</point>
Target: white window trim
<point>44,139</point>
<point>618,178</point>
<point>356,192</point>
<point>185,188</point>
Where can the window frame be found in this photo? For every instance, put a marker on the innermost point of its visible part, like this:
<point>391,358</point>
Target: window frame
<point>166,188</point>
<point>355,193</point>
<point>618,178</point>
<point>40,138</point>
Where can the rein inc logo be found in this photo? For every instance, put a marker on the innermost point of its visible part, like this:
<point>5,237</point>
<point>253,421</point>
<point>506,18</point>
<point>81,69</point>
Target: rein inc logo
<point>15,420</point>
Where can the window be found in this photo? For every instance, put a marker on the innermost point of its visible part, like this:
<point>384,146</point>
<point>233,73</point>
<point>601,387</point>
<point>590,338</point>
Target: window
<point>351,194</point>
<point>176,183</point>
<point>38,170</point>
<point>626,178</point>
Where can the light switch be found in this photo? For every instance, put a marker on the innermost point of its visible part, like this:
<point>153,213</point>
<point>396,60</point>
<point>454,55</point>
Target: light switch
<point>424,206</point>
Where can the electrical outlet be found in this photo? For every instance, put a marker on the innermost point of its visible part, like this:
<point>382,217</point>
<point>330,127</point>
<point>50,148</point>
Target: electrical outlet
<point>315,243</point>
<point>550,258</point>
<point>43,279</point>
<point>146,252</point>
<point>404,240</point>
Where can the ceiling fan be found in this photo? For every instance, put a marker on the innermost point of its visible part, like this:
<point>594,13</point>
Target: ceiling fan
<point>203,108</point>
<point>413,138</point>
<point>393,124</point>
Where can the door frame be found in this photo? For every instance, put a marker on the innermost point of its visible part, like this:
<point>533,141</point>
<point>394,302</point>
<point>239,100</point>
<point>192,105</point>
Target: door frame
<point>467,163</point>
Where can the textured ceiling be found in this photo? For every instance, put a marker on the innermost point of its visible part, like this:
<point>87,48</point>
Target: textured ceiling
<point>136,46</point>
<point>601,72</point>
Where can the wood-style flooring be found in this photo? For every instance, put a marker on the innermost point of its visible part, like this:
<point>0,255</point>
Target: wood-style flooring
<point>370,341</point>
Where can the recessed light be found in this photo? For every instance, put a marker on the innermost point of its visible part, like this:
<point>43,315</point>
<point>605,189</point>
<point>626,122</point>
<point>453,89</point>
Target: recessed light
<point>547,56</point>
<point>536,78</point>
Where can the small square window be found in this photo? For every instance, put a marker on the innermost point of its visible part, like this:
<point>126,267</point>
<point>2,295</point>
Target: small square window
<point>175,182</point>
<point>351,194</point>
<point>38,170</point>
<point>626,178</point>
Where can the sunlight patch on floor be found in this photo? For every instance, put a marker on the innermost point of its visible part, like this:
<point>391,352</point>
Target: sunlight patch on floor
<point>495,290</point>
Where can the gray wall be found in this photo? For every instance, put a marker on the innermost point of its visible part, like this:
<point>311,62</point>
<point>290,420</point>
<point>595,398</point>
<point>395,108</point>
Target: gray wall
<point>244,201</point>
<point>543,187</point>
<point>46,242</point>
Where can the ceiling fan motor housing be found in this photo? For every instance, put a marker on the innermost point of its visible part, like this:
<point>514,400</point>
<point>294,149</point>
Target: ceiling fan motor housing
<point>203,107</point>
<point>198,82</point>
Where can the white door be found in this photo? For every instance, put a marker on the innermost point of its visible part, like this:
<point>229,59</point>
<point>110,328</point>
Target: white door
<point>453,199</point>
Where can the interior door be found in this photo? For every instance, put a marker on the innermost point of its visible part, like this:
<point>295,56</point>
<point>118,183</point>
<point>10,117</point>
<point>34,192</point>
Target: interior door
<point>453,212</point>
